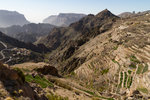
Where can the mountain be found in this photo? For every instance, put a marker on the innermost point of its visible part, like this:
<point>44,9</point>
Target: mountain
<point>99,57</point>
<point>63,19</point>
<point>67,40</point>
<point>104,53</point>
<point>117,61</point>
<point>29,32</point>
<point>9,18</point>
<point>13,51</point>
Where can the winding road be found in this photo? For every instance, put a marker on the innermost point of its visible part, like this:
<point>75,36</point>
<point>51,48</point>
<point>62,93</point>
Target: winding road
<point>2,54</point>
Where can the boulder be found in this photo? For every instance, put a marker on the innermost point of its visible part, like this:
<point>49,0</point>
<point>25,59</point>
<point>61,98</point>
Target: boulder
<point>48,70</point>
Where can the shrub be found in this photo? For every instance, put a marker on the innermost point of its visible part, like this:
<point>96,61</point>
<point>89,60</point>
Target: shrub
<point>37,79</point>
<point>114,61</point>
<point>72,73</point>
<point>115,48</point>
<point>25,70</point>
<point>143,90</point>
<point>134,59</point>
<point>105,71</point>
<point>129,71</point>
<point>132,66</point>
<point>20,73</point>
<point>139,70</point>
<point>145,68</point>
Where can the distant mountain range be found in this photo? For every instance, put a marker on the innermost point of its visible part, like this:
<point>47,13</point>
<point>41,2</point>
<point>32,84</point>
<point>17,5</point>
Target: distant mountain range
<point>133,14</point>
<point>29,32</point>
<point>63,19</point>
<point>9,18</point>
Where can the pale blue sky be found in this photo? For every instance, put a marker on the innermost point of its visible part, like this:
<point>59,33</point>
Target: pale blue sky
<point>37,10</point>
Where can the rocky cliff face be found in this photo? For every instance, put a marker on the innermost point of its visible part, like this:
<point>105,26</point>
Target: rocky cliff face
<point>63,19</point>
<point>29,32</point>
<point>9,18</point>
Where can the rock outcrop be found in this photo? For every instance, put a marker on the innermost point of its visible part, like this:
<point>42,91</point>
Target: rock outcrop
<point>48,70</point>
<point>13,85</point>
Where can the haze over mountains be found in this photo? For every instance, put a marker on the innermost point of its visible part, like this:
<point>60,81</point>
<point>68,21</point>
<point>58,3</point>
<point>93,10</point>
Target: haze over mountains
<point>63,19</point>
<point>29,32</point>
<point>15,25</point>
<point>9,18</point>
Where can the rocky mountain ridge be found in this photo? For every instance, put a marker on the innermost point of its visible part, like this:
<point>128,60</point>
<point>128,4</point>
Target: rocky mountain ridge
<point>29,32</point>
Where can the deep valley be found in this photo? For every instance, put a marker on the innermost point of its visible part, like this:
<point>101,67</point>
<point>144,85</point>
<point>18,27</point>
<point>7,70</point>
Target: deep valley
<point>98,57</point>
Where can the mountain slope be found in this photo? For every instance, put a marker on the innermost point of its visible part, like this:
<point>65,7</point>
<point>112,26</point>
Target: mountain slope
<point>9,18</point>
<point>117,61</point>
<point>63,19</point>
<point>65,41</point>
<point>29,32</point>
<point>113,61</point>
<point>99,57</point>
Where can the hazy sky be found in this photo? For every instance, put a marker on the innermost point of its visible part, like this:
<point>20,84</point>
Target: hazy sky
<point>37,10</point>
